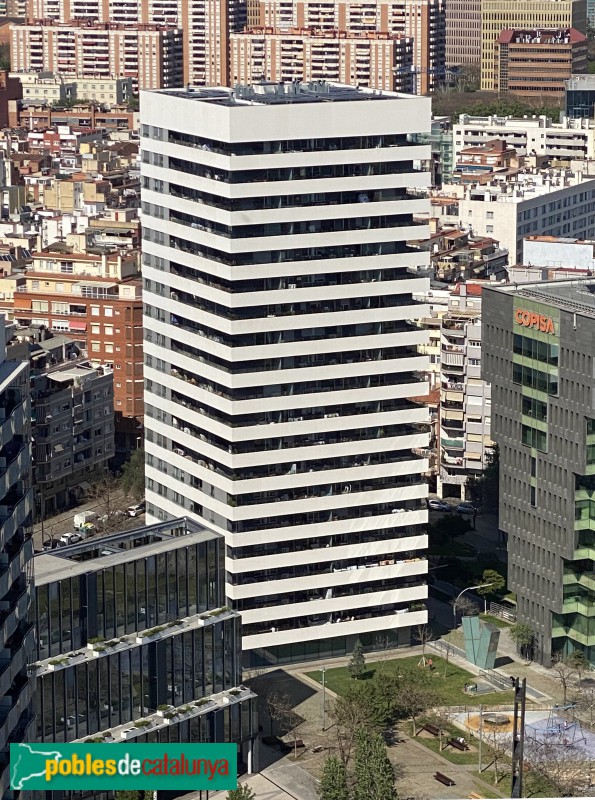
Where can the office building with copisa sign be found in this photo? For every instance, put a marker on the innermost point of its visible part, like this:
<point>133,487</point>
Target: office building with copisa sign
<point>539,357</point>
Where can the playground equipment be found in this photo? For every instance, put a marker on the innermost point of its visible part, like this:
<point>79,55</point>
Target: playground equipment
<point>562,728</point>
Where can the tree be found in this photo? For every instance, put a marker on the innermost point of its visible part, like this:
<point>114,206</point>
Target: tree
<point>133,475</point>
<point>5,57</point>
<point>564,671</point>
<point>105,493</point>
<point>333,781</point>
<point>243,792</point>
<point>373,772</point>
<point>448,528</point>
<point>567,769</point>
<point>413,693</point>
<point>484,490</point>
<point>465,606</point>
<point>423,634</point>
<point>499,750</point>
<point>523,636</point>
<point>579,662</point>
<point>357,662</point>
<point>281,711</point>
<point>491,576</point>
<point>362,705</point>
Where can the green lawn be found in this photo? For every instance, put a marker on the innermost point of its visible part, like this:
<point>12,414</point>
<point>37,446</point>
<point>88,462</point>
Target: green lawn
<point>500,623</point>
<point>450,689</point>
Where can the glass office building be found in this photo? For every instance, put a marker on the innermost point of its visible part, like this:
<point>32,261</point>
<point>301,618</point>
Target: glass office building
<point>134,627</point>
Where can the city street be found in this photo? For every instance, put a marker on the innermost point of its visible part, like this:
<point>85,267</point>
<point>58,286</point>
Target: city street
<point>54,527</point>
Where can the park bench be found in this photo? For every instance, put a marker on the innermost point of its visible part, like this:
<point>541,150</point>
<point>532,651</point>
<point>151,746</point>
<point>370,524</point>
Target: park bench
<point>474,796</point>
<point>458,745</point>
<point>435,731</point>
<point>439,776</point>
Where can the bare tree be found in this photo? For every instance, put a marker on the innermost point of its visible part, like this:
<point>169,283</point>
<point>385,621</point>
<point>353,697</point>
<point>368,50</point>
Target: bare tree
<point>423,634</point>
<point>564,672</point>
<point>567,769</point>
<point>280,710</point>
<point>585,702</point>
<point>106,495</point>
<point>441,718</point>
<point>447,653</point>
<point>466,607</point>
<point>499,749</point>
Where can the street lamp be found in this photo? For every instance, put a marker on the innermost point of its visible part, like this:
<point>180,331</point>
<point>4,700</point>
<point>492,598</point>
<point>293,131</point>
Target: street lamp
<point>468,589</point>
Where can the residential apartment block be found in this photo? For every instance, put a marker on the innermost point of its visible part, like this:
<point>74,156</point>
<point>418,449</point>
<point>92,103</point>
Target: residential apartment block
<point>538,356</point>
<point>535,136</point>
<point>421,21</point>
<point>96,297</point>
<point>465,399</point>
<point>135,643</point>
<point>72,417</point>
<point>537,63</point>
<point>373,59</point>
<point>500,15</point>
<point>189,41</point>
<point>280,352</point>
<point>555,202</point>
<point>151,55</point>
<point>17,634</point>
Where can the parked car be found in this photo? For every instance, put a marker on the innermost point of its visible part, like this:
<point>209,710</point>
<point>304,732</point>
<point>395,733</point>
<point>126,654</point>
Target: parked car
<point>69,538</point>
<point>466,508</point>
<point>435,504</point>
<point>136,510</point>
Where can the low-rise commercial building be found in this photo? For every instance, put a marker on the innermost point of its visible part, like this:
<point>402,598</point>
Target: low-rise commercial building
<point>538,356</point>
<point>465,399</point>
<point>135,642</point>
<point>537,63</point>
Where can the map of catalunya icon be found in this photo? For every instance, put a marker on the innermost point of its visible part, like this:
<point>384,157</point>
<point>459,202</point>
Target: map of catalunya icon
<point>16,779</point>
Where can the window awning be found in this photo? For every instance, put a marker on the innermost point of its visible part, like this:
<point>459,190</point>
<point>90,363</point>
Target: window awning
<point>77,325</point>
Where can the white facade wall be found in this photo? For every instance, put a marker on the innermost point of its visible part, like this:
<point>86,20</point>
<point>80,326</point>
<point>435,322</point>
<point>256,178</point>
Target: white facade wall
<point>559,253</point>
<point>280,356</point>
<point>571,138</point>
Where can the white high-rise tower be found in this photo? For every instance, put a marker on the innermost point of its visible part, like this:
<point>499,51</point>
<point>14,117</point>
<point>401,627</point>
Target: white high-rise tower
<point>281,354</point>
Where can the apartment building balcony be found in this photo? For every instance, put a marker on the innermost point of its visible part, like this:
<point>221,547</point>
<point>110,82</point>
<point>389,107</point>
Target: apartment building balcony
<point>356,624</point>
<point>452,477</point>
